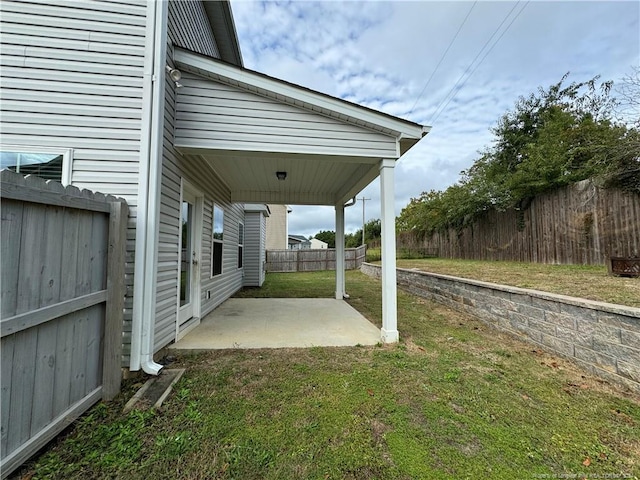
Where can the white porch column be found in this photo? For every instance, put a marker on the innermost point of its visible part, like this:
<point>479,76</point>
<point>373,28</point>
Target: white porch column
<point>389,331</point>
<point>340,251</point>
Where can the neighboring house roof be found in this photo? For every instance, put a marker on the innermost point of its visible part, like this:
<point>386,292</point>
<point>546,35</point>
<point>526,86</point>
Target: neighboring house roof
<point>298,238</point>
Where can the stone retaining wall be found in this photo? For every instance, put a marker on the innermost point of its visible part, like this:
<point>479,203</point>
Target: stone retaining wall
<point>601,337</point>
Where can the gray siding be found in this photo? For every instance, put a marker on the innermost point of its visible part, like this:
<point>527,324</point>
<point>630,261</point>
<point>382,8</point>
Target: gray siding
<point>254,251</point>
<point>175,166</point>
<point>189,28</point>
<point>72,77</point>
<point>214,115</point>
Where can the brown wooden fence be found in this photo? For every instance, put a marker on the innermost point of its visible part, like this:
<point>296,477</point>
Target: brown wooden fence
<point>578,224</point>
<point>312,260</point>
<point>61,315</point>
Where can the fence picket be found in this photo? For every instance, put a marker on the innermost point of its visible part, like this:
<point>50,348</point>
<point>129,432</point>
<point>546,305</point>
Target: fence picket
<point>581,223</point>
<point>56,244</point>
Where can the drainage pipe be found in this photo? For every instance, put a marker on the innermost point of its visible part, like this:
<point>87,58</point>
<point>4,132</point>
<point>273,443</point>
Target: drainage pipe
<point>146,256</point>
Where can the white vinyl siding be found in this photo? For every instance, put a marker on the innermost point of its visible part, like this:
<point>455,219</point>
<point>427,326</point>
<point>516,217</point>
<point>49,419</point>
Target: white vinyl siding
<point>212,115</point>
<point>72,78</point>
<point>196,172</point>
<point>189,28</point>
<point>254,251</point>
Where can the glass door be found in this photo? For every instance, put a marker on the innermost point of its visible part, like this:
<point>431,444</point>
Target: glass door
<point>188,259</point>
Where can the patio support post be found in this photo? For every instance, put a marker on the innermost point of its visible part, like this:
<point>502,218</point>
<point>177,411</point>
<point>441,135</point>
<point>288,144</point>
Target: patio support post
<point>340,290</point>
<point>389,330</point>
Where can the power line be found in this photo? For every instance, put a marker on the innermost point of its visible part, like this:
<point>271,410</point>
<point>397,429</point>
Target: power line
<point>446,100</point>
<point>442,57</point>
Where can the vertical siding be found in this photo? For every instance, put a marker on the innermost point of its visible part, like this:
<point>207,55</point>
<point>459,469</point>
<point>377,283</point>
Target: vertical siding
<point>189,28</point>
<point>175,167</point>
<point>72,77</point>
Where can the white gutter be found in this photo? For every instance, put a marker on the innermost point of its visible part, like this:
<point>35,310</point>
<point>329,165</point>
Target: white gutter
<point>146,256</point>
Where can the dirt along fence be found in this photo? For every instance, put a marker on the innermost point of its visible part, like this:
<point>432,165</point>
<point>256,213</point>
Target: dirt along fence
<point>61,315</point>
<point>312,260</point>
<point>579,224</point>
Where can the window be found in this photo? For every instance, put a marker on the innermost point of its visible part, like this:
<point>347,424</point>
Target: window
<point>217,237</point>
<point>240,243</point>
<point>50,164</point>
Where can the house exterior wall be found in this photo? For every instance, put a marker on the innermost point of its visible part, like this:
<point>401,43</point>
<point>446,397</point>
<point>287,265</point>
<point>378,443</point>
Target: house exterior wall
<point>254,252</point>
<point>72,77</point>
<point>318,244</point>
<point>276,228</point>
<point>176,167</point>
<point>189,28</point>
<point>213,115</point>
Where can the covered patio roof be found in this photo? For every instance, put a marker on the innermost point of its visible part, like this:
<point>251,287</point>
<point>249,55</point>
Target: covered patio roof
<point>247,126</point>
<point>271,141</point>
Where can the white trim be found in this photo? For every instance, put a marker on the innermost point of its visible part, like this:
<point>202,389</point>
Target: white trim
<point>196,273</point>
<point>294,94</point>
<point>146,254</point>
<point>340,290</point>
<point>67,157</point>
<point>389,330</point>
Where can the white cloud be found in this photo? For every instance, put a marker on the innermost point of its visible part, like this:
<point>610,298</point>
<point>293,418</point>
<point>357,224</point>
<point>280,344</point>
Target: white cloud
<point>380,54</point>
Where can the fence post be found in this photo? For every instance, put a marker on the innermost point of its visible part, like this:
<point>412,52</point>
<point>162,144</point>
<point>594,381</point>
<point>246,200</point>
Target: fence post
<point>112,361</point>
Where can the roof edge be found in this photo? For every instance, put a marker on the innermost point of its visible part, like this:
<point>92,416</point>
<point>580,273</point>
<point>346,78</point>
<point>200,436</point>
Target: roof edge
<point>224,30</point>
<point>234,74</point>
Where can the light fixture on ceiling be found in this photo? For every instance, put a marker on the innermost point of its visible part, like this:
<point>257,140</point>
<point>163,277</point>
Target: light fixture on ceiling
<point>281,175</point>
<point>175,75</point>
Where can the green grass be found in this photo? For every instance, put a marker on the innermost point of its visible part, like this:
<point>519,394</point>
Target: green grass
<point>586,281</point>
<point>454,399</point>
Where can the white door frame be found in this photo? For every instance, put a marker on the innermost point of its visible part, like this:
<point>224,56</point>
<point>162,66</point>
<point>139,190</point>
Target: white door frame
<point>184,325</point>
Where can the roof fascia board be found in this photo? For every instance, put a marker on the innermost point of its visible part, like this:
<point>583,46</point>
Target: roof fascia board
<point>318,102</point>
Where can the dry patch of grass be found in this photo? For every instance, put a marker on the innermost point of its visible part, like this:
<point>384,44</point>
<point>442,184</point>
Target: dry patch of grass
<point>454,399</point>
<point>585,281</point>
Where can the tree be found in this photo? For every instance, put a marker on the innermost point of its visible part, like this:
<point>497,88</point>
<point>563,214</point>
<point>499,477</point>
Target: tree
<point>628,91</point>
<point>551,138</point>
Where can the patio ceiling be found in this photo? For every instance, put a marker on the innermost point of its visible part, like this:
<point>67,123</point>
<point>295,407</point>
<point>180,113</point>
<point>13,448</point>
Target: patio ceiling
<point>247,126</point>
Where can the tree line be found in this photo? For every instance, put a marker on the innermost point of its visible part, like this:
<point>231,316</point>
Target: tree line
<point>551,138</point>
<point>372,231</point>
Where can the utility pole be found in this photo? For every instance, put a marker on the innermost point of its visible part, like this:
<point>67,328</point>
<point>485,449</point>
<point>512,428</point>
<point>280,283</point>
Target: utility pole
<point>363,203</point>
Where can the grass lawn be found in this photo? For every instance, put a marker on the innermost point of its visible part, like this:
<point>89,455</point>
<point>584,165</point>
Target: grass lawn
<point>454,400</point>
<point>586,281</point>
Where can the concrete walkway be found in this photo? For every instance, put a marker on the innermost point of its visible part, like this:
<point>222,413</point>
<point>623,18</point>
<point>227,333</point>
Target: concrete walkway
<point>279,323</point>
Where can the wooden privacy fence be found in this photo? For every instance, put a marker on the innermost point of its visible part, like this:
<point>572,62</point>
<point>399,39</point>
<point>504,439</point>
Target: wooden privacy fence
<point>577,224</point>
<point>313,259</point>
<point>61,315</point>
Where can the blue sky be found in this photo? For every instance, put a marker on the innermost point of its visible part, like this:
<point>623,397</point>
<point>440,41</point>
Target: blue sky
<point>384,55</point>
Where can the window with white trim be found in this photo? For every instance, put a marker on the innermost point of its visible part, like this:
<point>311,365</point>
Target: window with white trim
<point>217,240</point>
<point>47,163</point>
<point>240,244</point>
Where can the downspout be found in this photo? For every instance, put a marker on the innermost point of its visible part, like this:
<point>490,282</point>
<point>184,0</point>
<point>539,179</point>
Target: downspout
<point>146,257</point>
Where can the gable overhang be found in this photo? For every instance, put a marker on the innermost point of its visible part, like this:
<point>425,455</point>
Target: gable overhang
<point>246,126</point>
<point>224,30</point>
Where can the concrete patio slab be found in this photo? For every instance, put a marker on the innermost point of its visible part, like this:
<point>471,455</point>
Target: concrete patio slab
<point>280,323</point>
